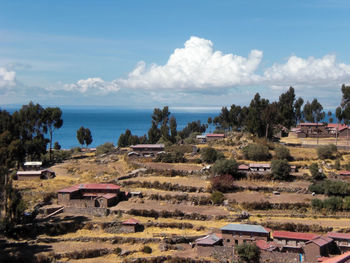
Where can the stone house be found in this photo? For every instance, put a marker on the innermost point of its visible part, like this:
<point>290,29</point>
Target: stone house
<point>147,149</point>
<point>259,167</point>
<point>30,175</point>
<point>89,195</point>
<point>206,245</point>
<point>131,226</point>
<point>235,234</point>
<point>318,247</point>
<point>341,239</point>
<point>292,241</point>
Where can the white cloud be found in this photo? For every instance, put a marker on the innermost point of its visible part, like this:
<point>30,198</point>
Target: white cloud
<point>95,85</point>
<point>311,71</point>
<point>196,66</point>
<point>7,78</point>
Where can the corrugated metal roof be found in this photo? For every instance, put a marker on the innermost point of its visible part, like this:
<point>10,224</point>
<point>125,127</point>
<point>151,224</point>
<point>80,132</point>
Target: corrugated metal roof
<point>33,163</point>
<point>320,241</point>
<point>338,259</point>
<point>294,235</point>
<point>89,187</point>
<point>257,165</point>
<point>208,240</point>
<point>29,172</point>
<point>140,146</point>
<point>245,228</point>
<point>338,235</point>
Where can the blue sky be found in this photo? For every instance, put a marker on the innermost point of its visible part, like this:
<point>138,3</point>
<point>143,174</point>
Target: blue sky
<point>176,53</point>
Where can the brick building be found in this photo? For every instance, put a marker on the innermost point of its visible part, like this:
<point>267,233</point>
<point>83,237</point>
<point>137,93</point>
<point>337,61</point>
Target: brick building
<point>206,245</point>
<point>235,234</point>
<point>131,226</point>
<point>89,195</point>
<point>319,247</point>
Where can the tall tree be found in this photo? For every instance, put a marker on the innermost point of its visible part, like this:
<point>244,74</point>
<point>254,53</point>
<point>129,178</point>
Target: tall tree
<point>269,116</point>
<point>345,104</point>
<point>339,115</point>
<point>53,121</point>
<point>84,136</point>
<point>173,127</point>
<point>330,118</point>
<point>313,112</point>
<point>285,108</point>
<point>254,123</point>
<point>298,112</point>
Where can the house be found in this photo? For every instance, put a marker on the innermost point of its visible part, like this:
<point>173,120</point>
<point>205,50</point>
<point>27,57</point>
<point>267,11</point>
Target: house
<point>292,241</point>
<point>131,226</point>
<point>30,175</point>
<point>89,195</point>
<point>147,149</point>
<point>214,136</point>
<point>206,245</point>
<point>260,167</point>
<point>334,127</point>
<point>320,246</point>
<point>344,132</point>
<point>341,239</point>
<point>234,234</point>
<point>344,173</point>
<point>29,166</point>
<point>201,138</point>
<point>243,168</point>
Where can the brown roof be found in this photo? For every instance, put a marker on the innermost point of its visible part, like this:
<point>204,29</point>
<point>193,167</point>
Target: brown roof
<point>260,165</point>
<point>89,187</point>
<point>264,245</point>
<point>131,221</point>
<point>344,172</point>
<point>211,239</point>
<point>294,235</point>
<point>338,235</point>
<point>243,167</point>
<point>320,241</point>
<point>339,259</point>
<point>141,146</point>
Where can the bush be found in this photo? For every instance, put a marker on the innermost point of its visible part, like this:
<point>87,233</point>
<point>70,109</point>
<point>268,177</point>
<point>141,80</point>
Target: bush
<point>107,147</point>
<point>282,153</point>
<point>256,152</point>
<point>331,204</point>
<point>315,172</point>
<point>210,155</point>
<point>117,251</point>
<point>173,157</point>
<point>330,188</point>
<point>346,204</point>
<point>223,183</point>
<point>217,198</point>
<point>224,166</point>
<point>280,170</point>
<point>326,151</point>
<point>57,146</point>
<point>147,250</point>
<point>248,252</point>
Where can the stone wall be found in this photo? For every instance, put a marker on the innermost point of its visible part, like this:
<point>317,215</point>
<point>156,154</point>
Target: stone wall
<point>278,257</point>
<point>95,211</point>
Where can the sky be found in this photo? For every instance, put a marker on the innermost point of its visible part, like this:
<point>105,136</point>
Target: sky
<point>185,53</point>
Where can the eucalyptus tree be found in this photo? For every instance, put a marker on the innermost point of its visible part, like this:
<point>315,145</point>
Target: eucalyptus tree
<point>53,120</point>
<point>339,116</point>
<point>313,112</point>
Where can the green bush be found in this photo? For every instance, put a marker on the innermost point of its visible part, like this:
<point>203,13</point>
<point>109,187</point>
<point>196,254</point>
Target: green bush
<point>329,188</point>
<point>282,153</point>
<point>248,252</point>
<point>147,250</point>
<point>107,147</point>
<point>217,197</point>
<point>256,152</point>
<point>224,166</point>
<point>331,204</point>
<point>173,157</point>
<point>326,151</point>
<point>210,155</point>
<point>315,172</point>
<point>118,251</point>
<point>57,146</point>
<point>346,204</point>
<point>280,170</point>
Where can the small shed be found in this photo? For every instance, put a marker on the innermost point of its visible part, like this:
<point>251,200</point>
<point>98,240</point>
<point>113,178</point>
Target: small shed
<point>205,245</point>
<point>319,247</point>
<point>28,166</point>
<point>131,225</point>
<point>243,168</point>
<point>30,175</point>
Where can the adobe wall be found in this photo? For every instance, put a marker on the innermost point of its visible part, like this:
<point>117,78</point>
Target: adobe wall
<point>239,238</point>
<point>95,211</point>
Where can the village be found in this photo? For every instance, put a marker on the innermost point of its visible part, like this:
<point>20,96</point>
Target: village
<point>126,197</point>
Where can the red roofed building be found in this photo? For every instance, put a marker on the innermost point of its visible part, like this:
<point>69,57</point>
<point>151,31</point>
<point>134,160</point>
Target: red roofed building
<point>215,136</point>
<point>318,247</point>
<point>292,241</point>
<point>344,173</point>
<point>131,225</point>
<point>341,239</point>
<point>344,258</point>
<point>89,195</point>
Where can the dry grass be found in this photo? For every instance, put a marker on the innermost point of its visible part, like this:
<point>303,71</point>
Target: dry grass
<point>186,181</point>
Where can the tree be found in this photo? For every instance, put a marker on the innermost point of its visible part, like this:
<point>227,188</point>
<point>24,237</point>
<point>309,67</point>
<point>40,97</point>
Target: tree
<point>298,112</point>
<point>345,104</point>
<point>53,120</point>
<point>217,198</point>
<point>173,131</point>
<point>339,115</point>
<point>280,170</point>
<point>330,118</point>
<point>224,166</point>
<point>84,136</point>
<point>210,155</point>
<point>315,172</point>
<point>256,152</point>
<point>254,123</point>
<point>313,112</point>
<point>286,112</point>
<point>57,146</point>
<point>269,116</point>
<point>248,252</point>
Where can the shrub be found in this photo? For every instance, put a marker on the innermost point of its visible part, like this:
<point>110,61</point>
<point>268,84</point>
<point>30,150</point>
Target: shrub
<point>210,155</point>
<point>223,183</point>
<point>147,250</point>
<point>328,187</point>
<point>315,172</point>
<point>217,197</point>
<point>326,151</point>
<point>173,157</point>
<point>224,166</point>
<point>256,152</point>
<point>282,153</point>
<point>107,147</point>
<point>280,170</point>
<point>346,204</point>
<point>57,146</point>
<point>248,252</point>
<point>331,204</point>
<point>117,251</point>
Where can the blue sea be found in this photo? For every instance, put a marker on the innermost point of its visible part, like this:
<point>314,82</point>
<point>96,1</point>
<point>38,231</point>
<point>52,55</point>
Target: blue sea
<point>106,124</point>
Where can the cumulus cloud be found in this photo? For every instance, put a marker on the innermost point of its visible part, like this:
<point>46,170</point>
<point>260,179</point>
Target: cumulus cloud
<point>96,85</point>
<point>7,78</point>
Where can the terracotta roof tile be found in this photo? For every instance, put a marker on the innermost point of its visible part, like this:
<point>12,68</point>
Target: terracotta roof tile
<point>294,235</point>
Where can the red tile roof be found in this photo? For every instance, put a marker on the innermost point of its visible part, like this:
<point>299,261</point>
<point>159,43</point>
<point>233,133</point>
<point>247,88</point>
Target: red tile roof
<point>264,245</point>
<point>311,124</point>
<point>335,125</point>
<point>338,259</point>
<point>344,172</point>
<point>131,221</point>
<point>338,235</point>
<point>294,235</point>
<point>243,167</point>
